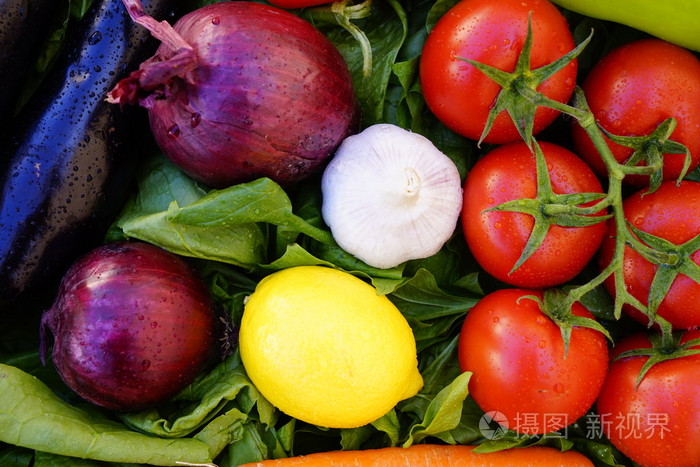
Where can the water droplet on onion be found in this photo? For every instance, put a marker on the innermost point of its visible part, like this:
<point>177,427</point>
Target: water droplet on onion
<point>174,131</point>
<point>195,119</point>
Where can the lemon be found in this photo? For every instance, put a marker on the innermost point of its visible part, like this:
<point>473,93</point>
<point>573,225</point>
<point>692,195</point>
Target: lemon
<point>323,347</point>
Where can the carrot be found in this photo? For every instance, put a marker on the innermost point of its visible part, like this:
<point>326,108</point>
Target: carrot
<point>432,455</point>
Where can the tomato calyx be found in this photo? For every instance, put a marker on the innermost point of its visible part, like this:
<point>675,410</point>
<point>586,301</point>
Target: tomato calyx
<point>555,307</point>
<point>649,151</point>
<point>671,260</point>
<point>664,347</point>
<point>549,208</point>
<point>518,95</point>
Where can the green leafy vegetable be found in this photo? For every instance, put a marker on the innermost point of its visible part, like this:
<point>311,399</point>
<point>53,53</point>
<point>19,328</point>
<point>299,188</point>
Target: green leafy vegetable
<point>386,30</point>
<point>443,413</point>
<point>234,237</point>
<point>33,416</point>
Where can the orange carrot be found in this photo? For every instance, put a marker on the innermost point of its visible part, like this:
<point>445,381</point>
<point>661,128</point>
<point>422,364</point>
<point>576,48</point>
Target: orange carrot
<point>433,455</point>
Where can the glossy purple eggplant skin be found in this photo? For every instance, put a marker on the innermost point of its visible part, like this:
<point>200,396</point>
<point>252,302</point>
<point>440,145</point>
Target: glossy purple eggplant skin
<point>133,324</point>
<point>68,159</point>
<point>24,26</point>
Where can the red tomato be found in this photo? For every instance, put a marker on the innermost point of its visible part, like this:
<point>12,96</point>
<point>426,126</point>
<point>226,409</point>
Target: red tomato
<point>288,4</point>
<point>496,239</point>
<point>636,87</point>
<point>492,32</point>
<point>672,213</point>
<point>657,424</point>
<point>516,354</point>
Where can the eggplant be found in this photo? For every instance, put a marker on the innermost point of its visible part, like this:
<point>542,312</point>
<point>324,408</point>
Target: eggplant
<point>23,30</point>
<point>69,156</point>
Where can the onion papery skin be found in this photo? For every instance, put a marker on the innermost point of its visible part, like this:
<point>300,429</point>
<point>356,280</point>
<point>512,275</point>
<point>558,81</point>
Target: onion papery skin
<point>132,324</point>
<point>270,96</point>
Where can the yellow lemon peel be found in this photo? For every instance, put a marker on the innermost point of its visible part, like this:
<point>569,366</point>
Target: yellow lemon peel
<point>323,347</point>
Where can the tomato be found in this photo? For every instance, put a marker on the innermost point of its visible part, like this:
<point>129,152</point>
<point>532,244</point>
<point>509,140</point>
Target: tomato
<point>496,239</point>
<point>632,90</point>
<point>657,424</point>
<point>288,4</point>
<point>673,213</point>
<point>492,32</point>
<point>516,354</point>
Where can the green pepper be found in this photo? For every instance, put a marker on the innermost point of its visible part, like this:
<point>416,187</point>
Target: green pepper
<point>676,21</point>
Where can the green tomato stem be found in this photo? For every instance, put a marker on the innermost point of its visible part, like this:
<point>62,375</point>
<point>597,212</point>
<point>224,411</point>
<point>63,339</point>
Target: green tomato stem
<point>342,13</point>
<point>623,236</point>
<point>519,98</point>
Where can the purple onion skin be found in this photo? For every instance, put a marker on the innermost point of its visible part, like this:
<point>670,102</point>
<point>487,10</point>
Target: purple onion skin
<point>270,96</point>
<point>132,326</point>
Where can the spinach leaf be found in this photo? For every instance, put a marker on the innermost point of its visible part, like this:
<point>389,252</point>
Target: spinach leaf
<point>430,311</point>
<point>16,457</point>
<point>225,386</point>
<point>231,225</point>
<point>32,416</point>
<point>257,443</point>
<point>386,30</point>
<point>261,200</point>
<point>45,459</point>
<point>443,413</point>
<point>162,189</point>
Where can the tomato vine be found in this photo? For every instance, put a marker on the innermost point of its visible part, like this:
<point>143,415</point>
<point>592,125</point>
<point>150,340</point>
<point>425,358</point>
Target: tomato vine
<point>519,97</point>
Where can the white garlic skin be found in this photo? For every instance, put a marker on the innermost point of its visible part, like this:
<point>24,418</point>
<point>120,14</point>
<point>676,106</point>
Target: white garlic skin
<point>389,196</point>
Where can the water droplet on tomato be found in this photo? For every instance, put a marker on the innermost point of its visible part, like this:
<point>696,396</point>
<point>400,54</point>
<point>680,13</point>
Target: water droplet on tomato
<point>559,388</point>
<point>542,344</point>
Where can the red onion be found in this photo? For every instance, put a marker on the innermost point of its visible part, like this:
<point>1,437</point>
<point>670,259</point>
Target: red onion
<point>239,90</point>
<point>132,324</point>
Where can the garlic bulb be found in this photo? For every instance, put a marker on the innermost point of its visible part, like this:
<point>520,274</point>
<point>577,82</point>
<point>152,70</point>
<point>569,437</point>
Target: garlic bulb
<point>389,195</point>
